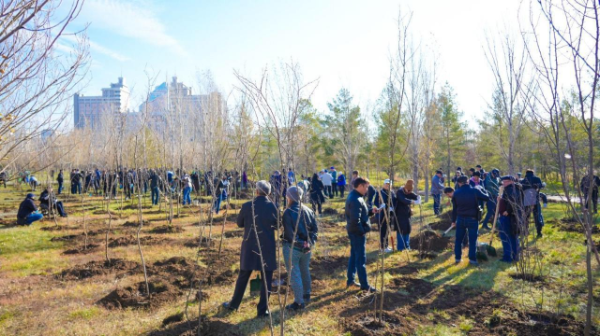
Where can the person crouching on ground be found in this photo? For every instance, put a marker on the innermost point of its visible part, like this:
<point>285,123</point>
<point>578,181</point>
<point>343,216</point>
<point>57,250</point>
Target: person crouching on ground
<point>405,197</point>
<point>465,217</point>
<point>299,236</point>
<point>357,226</point>
<point>258,217</point>
<point>28,212</point>
<point>512,218</point>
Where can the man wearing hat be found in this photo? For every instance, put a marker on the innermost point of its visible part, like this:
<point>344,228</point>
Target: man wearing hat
<point>298,238</point>
<point>465,217</point>
<point>28,212</point>
<point>437,188</point>
<point>258,217</point>
<point>511,211</point>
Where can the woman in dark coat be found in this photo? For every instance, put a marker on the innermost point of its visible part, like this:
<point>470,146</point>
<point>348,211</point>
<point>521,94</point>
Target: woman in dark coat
<point>404,198</point>
<point>316,193</point>
<point>382,197</point>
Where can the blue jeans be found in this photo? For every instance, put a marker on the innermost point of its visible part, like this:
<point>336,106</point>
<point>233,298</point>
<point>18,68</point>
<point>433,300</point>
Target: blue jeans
<point>186,195</point>
<point>402,241</point>
<point>155,195</point>
<point>358,260</point>
<point>510,242</point>
<point>218,204</point>
<point>60,187</point>
<point>299,274</point>
<point>464,225</point>
<point>491,211</point>
<point>537,217</point>
<point>33,217</point>
<point>437,199</point>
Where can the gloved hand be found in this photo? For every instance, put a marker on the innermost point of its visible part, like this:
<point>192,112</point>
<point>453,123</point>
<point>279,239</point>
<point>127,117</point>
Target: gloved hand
<point>418,201</point>
<point>545,205</point>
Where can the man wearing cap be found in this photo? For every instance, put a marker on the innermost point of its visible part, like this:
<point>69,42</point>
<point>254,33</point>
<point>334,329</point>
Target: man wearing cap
<point>258,217</point>
<point>383,201</point>
<point>465,214</point>
<point>334,175</point>
<point>298,238</point>
<point>511,212</point>
<point>357,226</point>
<point>437,188</point>
<point>28,212</point>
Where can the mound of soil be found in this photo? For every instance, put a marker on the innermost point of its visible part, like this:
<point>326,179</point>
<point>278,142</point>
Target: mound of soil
<point>233,234</point>
<point>210,326</point>
<point>90,248</point>
<point>572,225</point>
<point>95,268</point>
<point>104,212</point>
<point>134,224</point>
<point>64,238</point>
<point>163,229</point>
<point>430,241</point>
<point>193,243</point>
<point>161,291</point>
<point>442,225</point>
<point>326,267</point>
<point>132,240</point>
<point>57,228</point>
<point>527,277</point>
<point>172,319</point>
<point>367,325</point>
<point>329,211</point>
<point>134,206</point>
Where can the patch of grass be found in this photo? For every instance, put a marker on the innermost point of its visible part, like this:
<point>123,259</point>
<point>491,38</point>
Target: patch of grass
<point>26,239</point>
<point>84,313</point>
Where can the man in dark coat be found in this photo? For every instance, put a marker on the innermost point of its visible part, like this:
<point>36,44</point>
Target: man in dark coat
<point>358,225</point>
<point>585,189</point>
<point>258,216</point>
<point>28,211</point>
<point>511,220</point>
<point>531,192</point>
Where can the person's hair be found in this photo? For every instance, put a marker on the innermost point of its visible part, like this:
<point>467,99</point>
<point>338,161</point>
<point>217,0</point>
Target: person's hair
<point>478,166</point>
<point>448,190</point>
<point>462,180</point>
<point>529,170</point>
<point>355,172</point>
<point>471,169</point>
<point>439,172</point>
<point>360,180</point>
<point>478,174</point>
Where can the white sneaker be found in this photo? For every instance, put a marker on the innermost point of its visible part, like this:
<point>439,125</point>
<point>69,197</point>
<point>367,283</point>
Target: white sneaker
<point>388,250</point>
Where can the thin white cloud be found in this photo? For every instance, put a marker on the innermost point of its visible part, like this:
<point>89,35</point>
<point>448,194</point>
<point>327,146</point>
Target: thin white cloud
<point>108,52</point>
<point>130,19</point>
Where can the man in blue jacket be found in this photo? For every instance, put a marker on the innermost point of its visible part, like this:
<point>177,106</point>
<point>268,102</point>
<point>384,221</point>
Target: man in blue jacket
<point>357,226</point>
<point>465,217</point>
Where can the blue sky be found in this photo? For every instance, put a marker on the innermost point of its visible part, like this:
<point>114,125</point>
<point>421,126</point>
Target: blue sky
<point>344,43</point>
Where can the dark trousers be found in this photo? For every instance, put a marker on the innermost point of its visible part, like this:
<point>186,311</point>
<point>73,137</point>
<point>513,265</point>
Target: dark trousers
<point>437,199</point>
<point>491,211</point>
<point>315,205</point>
<point>240,289</point>
<point>594,200</point>
<point>538,219</point>
<point>464,226</point>
<point>328,191</point>
<point>510,241</point>
<point>383,238</point>
<point>60,188</point>
<point>334,189</point>
<point>342,190</point>
<point>358,260</point>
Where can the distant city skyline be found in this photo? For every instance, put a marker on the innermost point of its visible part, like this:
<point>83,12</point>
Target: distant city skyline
<point>344,43</point>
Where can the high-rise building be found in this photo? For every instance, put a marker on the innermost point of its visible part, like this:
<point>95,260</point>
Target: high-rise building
<point>93,111</point>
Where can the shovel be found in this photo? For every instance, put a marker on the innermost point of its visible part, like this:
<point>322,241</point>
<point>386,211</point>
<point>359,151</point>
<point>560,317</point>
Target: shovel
<point>445,232</point>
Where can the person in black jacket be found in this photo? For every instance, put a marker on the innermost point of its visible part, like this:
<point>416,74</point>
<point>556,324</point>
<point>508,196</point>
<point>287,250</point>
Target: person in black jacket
<point>531,191</point>
<point>511,211</point>
<point>465,217</point>
<point>316,193</point>
<point>60,179</point>
<point>257,217</point>
<point>357,226</point>
<point>299,236</point>
<point>405,197</point>
<point>585,190</point>
<point>28,212</point>
<point>383,201</point>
